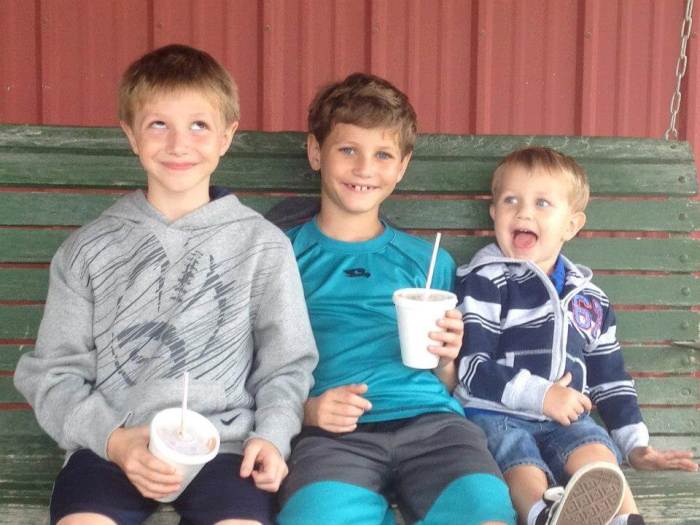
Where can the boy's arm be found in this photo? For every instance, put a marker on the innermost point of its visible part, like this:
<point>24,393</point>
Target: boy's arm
<point>285,352</point>
<point>479,373</point>
<point>58,377</point>
<point>611,387</point>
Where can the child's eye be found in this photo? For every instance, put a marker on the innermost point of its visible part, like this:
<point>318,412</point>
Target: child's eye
<point>509,199</point>
<point>383,155</point>
<point>199,125</point>
<point>346,150</point>
<point>543,203</point>
<point>157,124</point>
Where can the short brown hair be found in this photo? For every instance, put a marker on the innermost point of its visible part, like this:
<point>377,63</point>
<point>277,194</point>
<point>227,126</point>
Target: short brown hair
<point>173,68</point>
<point>551,161</point>
<point>367,101</point>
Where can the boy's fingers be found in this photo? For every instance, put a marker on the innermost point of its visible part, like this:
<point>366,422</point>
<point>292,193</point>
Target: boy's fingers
<point>359,388</point>
<point>158,467</point>
<point>354,400</point>
<point>250,455</point>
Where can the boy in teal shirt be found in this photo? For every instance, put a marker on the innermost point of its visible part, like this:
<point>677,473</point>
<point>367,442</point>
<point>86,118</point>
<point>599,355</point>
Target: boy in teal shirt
<point>373,425</point>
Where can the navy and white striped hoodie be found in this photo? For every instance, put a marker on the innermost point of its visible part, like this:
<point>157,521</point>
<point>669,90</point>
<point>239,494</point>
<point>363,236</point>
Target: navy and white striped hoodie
<point>520,337</point>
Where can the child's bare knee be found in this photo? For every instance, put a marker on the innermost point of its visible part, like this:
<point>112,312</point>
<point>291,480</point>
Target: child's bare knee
<point>85,518</point>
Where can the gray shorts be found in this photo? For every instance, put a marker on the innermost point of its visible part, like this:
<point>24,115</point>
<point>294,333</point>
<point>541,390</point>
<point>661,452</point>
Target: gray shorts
<point>410,460</point>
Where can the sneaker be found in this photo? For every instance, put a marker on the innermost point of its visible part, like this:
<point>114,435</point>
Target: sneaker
<point>592,497</point>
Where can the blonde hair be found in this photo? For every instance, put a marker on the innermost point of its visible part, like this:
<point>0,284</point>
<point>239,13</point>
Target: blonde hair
<point>552,161</point>
<point>367,101</point>
<point>174,68</point>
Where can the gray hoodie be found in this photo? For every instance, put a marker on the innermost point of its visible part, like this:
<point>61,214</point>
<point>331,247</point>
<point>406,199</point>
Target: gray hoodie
<point>135,300</point>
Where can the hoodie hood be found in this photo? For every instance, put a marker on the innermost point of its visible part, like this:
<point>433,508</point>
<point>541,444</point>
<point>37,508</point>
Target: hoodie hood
<point>492,254</point>
<point>134,208</point>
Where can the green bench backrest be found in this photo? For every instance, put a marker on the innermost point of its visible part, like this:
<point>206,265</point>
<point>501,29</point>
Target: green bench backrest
<point>638,238</point>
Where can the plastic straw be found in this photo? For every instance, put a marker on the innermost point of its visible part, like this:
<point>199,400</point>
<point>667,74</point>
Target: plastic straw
<point>184,403</point>
<point>432,260</point>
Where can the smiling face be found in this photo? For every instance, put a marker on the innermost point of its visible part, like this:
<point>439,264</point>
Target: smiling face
<point>359,169</point>
<point>533,216</point>
<point>179,138</point>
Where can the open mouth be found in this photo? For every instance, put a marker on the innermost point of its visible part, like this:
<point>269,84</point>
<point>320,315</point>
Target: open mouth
<point>524,239</point>
<point>359,188</point>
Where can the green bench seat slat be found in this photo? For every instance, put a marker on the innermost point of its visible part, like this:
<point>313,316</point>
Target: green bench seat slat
<point>672,421</point>
<point>618,149</point>
<point>672,390</point>
<point>9,355</point>
<point>612,149</point>
<point>70,209</point>
<point>465,176</point>
<point>655,359</point>
<point>602,253</point>
<point>672,255</point>
<point>661,359</point>
<point>667,498</point>
<point>30,284</point>
<point>22,322</point>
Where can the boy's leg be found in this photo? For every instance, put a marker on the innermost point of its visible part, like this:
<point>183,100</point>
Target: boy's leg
<point>445,474</point>
<point>337,478</point>
<point>593,452</point>
<point>219,495</point>
<point>527,485</point>
<point>513,443</point>
<point>570,449</point>
<point>90,489</point>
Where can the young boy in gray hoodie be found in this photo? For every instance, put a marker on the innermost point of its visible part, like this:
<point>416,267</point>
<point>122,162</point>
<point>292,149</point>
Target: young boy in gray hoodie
<point>165,281</point>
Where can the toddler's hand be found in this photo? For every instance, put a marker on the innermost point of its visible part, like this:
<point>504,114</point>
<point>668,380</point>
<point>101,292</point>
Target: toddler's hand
<point>264,463</point>
<point>648,458</point>
<point>451,338</point>
<point>337,409</point>
<point>153,478</point>
<point>564,404</point>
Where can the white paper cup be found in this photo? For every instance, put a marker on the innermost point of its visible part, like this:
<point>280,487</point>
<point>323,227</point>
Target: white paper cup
<point>417,312</point>
<point>188,465</point>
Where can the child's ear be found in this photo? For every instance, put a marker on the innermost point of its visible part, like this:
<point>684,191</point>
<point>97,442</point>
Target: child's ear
<point>130,136</point>
<point>576,222</point>
<point>492,211</point>
<point>404,165</point>
<point>313,152</point>
<point>229,132</point>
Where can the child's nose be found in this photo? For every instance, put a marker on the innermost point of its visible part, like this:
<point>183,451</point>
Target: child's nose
<point>177,142</point>
<point>363,166</point>
<point>524,211</point>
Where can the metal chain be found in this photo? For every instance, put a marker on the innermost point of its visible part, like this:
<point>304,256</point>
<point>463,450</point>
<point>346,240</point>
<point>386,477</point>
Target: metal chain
<point>681,65</point>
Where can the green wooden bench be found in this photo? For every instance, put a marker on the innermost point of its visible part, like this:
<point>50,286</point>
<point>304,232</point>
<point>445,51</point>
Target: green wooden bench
<point>54,179</point>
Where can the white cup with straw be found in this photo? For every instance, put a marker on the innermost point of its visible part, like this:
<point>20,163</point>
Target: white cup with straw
<point>184,439</point>
<point>418,311</point>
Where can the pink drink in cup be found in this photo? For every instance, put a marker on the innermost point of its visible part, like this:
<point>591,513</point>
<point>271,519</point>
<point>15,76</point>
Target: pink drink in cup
<point>187,451</point>
<point>418,311</point>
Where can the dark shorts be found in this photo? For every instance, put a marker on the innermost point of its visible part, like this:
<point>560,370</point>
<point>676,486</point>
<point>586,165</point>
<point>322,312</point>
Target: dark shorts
<point>88,483</point>
<point>415,461</point>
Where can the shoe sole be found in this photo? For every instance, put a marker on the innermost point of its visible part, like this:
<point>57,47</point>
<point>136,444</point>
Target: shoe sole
<point>592,497</point>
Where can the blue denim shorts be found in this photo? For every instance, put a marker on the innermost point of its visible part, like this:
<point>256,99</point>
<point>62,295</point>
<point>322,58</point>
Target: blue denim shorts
<point>517,441</point>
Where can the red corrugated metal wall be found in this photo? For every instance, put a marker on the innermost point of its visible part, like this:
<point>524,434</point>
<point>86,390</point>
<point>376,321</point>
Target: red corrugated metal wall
<point>576,67</point>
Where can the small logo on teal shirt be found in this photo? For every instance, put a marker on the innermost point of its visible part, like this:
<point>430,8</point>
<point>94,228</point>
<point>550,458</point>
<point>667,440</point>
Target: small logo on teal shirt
<point>357,272</point>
